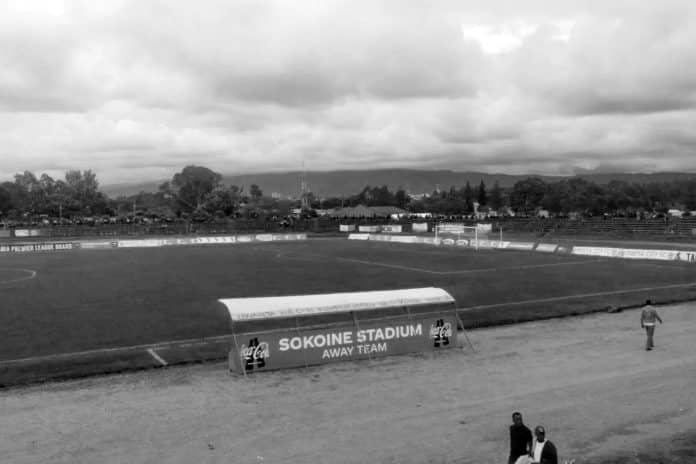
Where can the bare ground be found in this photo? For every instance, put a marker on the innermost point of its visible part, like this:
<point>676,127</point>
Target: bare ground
<point>601,396</point>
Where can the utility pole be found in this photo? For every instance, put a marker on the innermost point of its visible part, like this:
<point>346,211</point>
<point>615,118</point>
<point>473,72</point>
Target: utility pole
<point>304,190</point>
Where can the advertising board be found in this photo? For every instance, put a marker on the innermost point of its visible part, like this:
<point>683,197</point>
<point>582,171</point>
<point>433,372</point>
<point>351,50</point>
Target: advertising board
<point>293,347</point>
<point>142,243</point>
<point>484,228</point>
<point>368,229</point>
<point>392,228</point>
<point>29,247</point>
<point>288,237</point>
<point>404,239</point>
<point>630,253</point>
<point>419,226</point>
<point>359,237</point>
<point>96,245</point>
<point>662,255</point>
<point>546,247</point>
<point>521,245</point>
<point>346,227</point>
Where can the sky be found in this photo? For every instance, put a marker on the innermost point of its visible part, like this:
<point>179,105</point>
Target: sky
<point>136,90</point>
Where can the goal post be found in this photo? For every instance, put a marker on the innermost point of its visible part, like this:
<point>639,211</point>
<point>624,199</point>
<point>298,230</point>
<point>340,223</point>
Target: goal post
<point>480,231</point>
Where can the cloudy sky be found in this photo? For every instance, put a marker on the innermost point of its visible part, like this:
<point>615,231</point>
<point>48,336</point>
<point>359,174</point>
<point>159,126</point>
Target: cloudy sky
<point>135,90</point>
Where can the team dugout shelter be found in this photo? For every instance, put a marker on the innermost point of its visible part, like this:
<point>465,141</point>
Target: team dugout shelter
<point>303,330</point>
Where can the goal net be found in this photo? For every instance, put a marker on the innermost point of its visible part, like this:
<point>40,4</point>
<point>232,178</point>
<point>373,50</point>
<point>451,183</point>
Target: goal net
<point>458,231</point>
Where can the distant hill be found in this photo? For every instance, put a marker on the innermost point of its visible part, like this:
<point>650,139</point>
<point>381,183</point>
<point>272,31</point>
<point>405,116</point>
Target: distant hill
<point>338,183</point>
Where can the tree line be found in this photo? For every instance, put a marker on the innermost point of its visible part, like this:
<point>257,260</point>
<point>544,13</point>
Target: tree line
<point>198,192</point>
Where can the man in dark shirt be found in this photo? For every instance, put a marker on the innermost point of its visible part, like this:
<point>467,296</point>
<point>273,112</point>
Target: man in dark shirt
<point>520,438</point>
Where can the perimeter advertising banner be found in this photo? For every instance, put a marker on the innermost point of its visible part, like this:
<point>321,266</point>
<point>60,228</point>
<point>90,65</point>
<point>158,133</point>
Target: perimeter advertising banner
<point>419,226</point>
<point>28,247</point>
<point>394,229</point>
<point>297,347</point>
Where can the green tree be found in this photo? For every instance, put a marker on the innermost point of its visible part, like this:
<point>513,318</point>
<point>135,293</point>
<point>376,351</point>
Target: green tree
<point>401,198</point>
<point>468,198</point>
<point>527,194</point>
<point>255,192</point>
<point>5,200</point>
<point>496,197</point>
<point>192,187</point>
<point>482,195</point>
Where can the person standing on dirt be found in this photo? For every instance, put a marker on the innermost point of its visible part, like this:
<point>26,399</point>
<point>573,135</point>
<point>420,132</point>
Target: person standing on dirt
<point>543,450</point>
<point>648,318</point>
<point>520,438</point>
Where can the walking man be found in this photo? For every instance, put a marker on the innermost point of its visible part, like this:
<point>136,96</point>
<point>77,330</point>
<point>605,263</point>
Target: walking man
<point>648,318</point>
<point>520,438</point>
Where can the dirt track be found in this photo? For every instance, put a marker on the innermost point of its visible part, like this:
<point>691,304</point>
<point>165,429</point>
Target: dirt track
<point>588,380</point>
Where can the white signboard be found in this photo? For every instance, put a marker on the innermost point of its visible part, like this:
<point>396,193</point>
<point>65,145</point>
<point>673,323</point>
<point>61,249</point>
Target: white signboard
<point>546,247</point>
<point>393,229</point>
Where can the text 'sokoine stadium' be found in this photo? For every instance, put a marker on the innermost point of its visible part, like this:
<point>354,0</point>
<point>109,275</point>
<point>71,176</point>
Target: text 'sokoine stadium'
<point>73,312</point>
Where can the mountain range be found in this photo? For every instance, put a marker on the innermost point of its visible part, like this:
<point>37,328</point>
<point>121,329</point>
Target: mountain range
<point>345,183</point>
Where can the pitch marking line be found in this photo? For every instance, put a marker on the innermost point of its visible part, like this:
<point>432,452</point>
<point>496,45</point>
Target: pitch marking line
<point>30,275</point>
<point>584,295</point>
<point>468,271</point>
<point>156,346</point>
<point>157,357</point>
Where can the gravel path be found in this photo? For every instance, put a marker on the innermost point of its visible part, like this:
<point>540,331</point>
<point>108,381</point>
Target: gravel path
<point>587,379</point>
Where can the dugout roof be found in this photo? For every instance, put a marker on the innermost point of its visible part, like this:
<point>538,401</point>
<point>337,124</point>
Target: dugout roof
<point>250,309</point>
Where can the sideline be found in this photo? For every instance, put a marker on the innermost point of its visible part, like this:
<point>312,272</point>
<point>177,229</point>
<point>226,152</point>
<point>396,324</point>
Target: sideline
<point>469,271</point>
<point>584,295</point>
<point>187,343</point>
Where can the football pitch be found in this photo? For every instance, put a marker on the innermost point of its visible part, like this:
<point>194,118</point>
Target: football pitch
<point>73,301</point>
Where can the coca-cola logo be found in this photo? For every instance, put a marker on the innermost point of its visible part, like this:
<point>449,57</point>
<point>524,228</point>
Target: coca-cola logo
<point>255,354</point>
<point>441,332</point>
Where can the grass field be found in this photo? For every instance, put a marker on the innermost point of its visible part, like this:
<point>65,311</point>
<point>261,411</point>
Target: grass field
<point>63,302</point>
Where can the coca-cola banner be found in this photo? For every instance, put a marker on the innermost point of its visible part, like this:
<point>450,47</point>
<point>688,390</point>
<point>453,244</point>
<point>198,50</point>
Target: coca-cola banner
<point>296,347</point>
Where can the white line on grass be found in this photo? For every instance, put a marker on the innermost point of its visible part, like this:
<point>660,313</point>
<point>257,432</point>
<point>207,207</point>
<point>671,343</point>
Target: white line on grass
<point>157,357</point>
<point>584,295</point>
<point>30,275</point>
<point>468,271</point>
<point>155,346</point>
